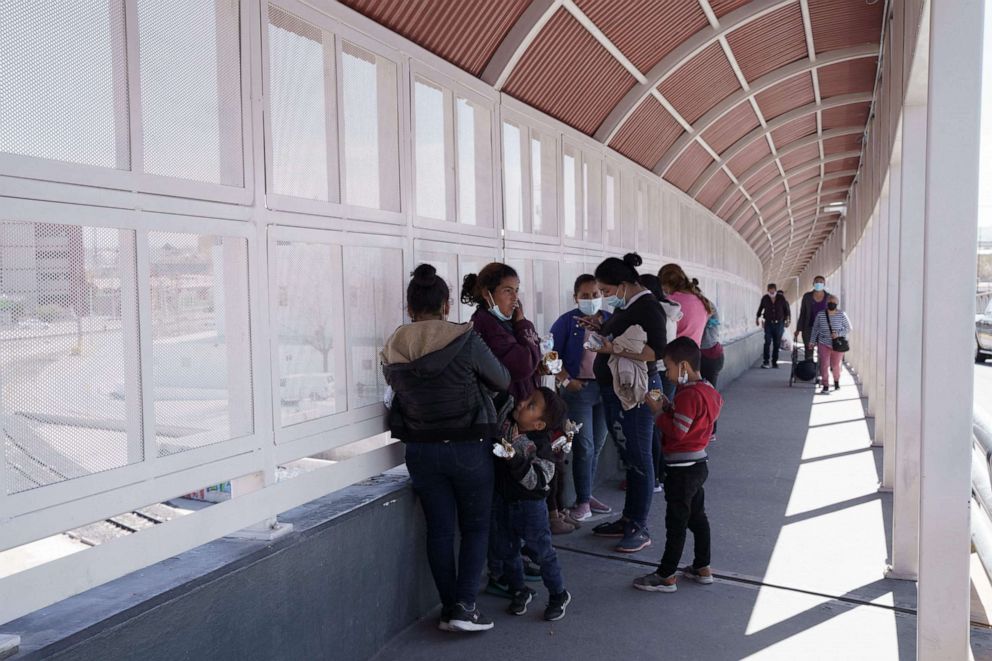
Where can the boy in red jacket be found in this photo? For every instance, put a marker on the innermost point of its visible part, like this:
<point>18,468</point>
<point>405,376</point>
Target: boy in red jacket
<point>686,425</point>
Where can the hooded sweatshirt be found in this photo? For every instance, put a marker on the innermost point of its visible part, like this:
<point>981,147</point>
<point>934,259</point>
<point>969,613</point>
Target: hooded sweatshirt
<point>686,428</point>
<point>442,375</point>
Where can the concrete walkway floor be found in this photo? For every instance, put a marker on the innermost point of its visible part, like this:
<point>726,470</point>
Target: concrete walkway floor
<point>800,542</point>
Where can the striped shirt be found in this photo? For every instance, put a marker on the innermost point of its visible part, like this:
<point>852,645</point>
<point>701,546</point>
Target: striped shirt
<point>821,331</point>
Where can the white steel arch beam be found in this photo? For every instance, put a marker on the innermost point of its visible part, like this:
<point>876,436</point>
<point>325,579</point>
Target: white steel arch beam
<point>801,204</point>
<point>760,85</point>
<point>518,40</point>
<point>830,175</point>
<point>691,47</point>
<point>808,165</point>
<point>760,133</point>
<point>782,151</point>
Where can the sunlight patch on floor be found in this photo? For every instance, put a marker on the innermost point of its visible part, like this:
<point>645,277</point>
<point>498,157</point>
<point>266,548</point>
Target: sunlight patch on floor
<point>830,482</point>
<point>834,439</point>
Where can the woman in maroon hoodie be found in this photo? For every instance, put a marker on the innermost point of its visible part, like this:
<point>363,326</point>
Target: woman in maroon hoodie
<point>499,320</point>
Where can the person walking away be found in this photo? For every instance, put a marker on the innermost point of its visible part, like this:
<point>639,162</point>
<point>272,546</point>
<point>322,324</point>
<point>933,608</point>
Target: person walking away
<point>812,303</point>
<point>580,390</point>
<point>830,324</point>
<point>711,354</point>
<point>775,313</point>
<point>687,425</point>
<point>678,287</point>
<point>633,305</point>
<point>441,375</point>
<point>524,471</point>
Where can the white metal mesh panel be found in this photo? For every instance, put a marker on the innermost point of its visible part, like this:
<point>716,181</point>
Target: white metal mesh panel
<point>201,345</point>
<point>513,194</point>
<point>63,81</point>
<point>311,369</point>
<point>301,108</point>
<point>68,362</point>
<point>191,90</point>
<point>374,298</point>
<point>430,171</point>
<point>370,123</point>
<point>475,163</point>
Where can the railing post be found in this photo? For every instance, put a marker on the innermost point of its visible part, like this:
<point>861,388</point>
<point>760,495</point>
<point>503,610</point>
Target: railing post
<point>954,102</point>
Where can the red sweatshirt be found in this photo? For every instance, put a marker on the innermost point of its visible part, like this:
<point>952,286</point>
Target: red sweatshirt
<point>686,429</point>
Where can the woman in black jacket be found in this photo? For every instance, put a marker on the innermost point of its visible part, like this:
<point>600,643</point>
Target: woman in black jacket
<point>441,374</point>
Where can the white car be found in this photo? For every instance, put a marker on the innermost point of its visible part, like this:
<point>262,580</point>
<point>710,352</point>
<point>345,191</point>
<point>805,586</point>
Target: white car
<point>983,334</point>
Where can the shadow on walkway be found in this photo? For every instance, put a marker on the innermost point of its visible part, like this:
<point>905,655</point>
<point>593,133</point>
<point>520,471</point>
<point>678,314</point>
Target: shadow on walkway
<point>800,545</point>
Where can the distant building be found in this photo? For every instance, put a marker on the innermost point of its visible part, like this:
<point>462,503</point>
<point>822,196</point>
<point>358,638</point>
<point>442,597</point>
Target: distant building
<point>43,265</point>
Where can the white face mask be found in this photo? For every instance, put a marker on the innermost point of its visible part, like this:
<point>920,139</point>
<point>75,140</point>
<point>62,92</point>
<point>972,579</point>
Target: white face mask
<point>590,306</point>
<point>683,376</point>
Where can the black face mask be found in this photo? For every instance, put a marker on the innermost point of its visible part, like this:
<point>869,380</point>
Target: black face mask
<point>831,306</point>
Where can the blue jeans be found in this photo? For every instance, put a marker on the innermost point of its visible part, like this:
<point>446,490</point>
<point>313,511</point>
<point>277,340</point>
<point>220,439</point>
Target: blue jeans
<point>454,481</point>
<point>586,407</point>
<point>773,336</point>
<point>525,521</point>
<point>638,430</point>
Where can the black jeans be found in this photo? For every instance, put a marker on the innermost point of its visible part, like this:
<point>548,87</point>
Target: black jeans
<point>685,509</point>
<point>773,336</point>
<point>454,481</point>
<point>710,369</point>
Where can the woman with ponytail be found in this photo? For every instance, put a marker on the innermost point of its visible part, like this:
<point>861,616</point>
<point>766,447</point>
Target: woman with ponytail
<point>633,305</point>
<point>696,310</point>
<point>441,374</point>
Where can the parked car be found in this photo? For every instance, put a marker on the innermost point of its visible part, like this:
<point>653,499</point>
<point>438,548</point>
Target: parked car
<point>983,334</point>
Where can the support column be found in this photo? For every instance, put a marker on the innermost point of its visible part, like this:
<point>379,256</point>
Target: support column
<point>871,336</point>
<point>891,333</point>
<point>909,346</point>
<point>950,247</point>
<point>881,330</point>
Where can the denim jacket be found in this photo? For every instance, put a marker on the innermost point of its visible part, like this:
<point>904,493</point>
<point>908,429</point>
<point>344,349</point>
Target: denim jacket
<point>569,338</point>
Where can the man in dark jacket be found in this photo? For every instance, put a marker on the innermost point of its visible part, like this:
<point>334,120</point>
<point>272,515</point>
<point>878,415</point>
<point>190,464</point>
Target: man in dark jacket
<point>775,310</point>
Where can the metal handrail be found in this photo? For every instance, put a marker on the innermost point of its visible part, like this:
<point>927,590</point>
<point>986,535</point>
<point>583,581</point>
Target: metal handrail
<point>981,488</point>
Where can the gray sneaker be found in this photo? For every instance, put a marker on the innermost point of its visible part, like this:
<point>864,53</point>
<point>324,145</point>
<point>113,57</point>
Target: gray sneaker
<point>654,583</point>
<point>702,575</point>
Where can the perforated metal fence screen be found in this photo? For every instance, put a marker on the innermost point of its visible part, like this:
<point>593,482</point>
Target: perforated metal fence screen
<point>69,389</point>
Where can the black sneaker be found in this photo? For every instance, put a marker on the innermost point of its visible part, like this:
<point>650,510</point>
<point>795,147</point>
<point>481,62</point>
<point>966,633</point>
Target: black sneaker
<point>532,570</point>
<point>775,365</point>
<point>610,529</point>
<point>445,622</point>
<point>499,587</point>
<point>836,385</point>
<point>826,390</point>
<point>765,365</point>
<point>463,619</point>
<point>557,604</point>
<point>519,601</point>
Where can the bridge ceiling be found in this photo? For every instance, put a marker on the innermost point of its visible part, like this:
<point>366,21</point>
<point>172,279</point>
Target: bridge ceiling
<point>747,106</point>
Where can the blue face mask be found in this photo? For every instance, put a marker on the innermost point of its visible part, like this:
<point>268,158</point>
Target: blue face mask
<point>615,301</point>
<point>590,306</point>
<point>494,309</point>
<point>819,286</point>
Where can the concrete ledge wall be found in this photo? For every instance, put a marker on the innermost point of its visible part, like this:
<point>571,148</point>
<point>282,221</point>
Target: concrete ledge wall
<point>352,575</point>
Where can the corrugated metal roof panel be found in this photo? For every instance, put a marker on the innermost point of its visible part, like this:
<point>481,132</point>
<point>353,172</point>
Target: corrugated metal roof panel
<point>842,143</point>
<point>731,205</point>
<point>842,23</point>
<point>847,77</point>
<point>645,30</point>
<point>714,189</point>
<point>765,199</point>
<point>648,134</point>
<point>700,83</point>
<point>805,175</point>
<point>567,74</point>
<point>787,95</point>
<point>731,127</point>
<point>464,32</point>
<point>687,168</point>
<point>770,42</point>
<point>855,114</point>
<point>794,130</point>
<point>724,7</point>
<point>762,177</point>
<point>846,164</point>
<point>751,154</point>
<point>801,155</point>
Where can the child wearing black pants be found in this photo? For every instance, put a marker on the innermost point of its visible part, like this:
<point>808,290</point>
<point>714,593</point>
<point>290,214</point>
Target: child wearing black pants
<point>524,471</point>
<point>686,425</point>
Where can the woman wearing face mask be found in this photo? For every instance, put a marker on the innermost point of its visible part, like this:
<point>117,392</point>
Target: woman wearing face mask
<point>633,305</point>
<point>830,324</point>
<point>441,374</point>
<point>499,319</point>
<point>814,302</point>
<point>579,388</point>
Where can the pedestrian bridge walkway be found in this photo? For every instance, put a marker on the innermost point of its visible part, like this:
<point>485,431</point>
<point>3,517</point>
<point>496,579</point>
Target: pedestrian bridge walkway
<point>800,544</point>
